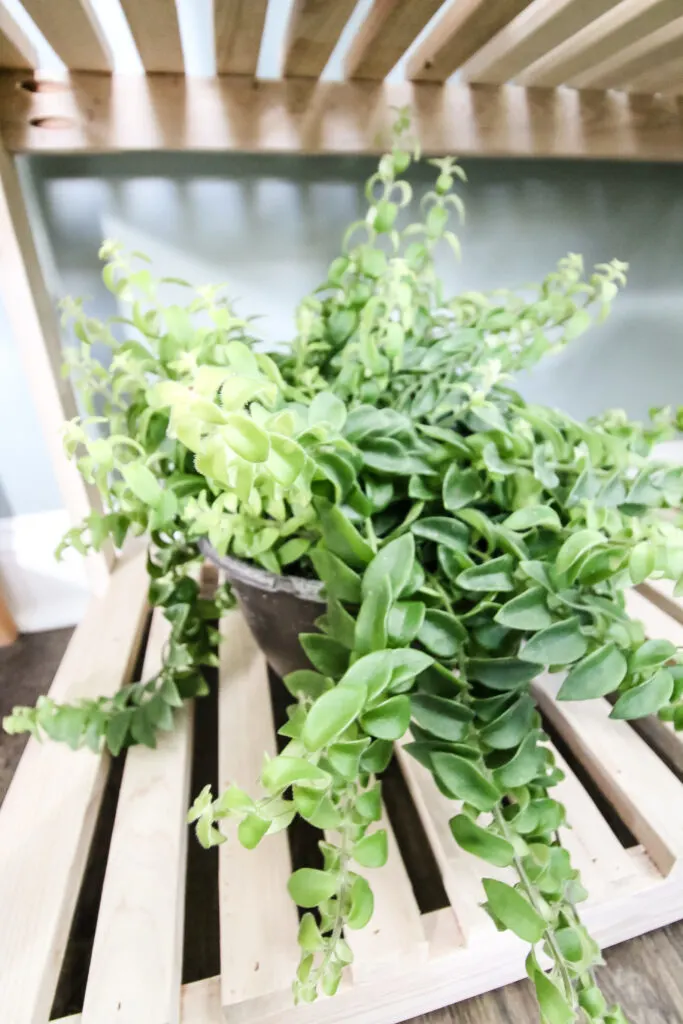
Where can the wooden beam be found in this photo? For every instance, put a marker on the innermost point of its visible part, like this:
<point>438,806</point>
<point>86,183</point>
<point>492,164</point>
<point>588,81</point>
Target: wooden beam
<point>238,28</point>
<point>666,77</point>
<point>16,49</point>
<point>35,328</point>
<point>73,31</point>
<point>385,35</point>
<point>605,38</point>
<point>313,32</point>
<point>101,113</point>
<point>464,29</point>
<point>537,30</point>
<point>647,53</point>
<point>156,31</point>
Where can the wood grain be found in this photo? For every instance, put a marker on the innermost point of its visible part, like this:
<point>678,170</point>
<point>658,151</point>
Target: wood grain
<point>33,322</point>
<point>539,29</point>
<point>258,919</point>
<point>602,40</point>
<point>464,29</point>
<point>103,114</point>
<point>43,852</point>
<point>16,49</point>
<point>313,31</point>
<point>135,970</point>
<point>388,30</point>
<point>156,31</point>
<point>647,52</point>
<point>238,29</point>
<point>72,29</point>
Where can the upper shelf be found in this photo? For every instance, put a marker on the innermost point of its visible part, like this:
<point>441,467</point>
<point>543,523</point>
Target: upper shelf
<point>481,76</point>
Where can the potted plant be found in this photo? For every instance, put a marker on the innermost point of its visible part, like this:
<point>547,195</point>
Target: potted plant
<point>466,541</point>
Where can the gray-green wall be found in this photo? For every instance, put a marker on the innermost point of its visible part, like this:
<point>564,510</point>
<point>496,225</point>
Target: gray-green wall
<point>269,226</point>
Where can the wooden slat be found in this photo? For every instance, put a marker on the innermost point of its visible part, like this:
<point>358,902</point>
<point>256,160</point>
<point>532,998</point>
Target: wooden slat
<point>650,51</point>
<point>35,329</point>
<point>603,39</point>
<point>464,29</point>
<point>258,949</point>
<point>156,31</point>
<point>395,933</point>
<point>641,788</point>
<point>16,49</point>
<point>73,31</point>
<point>50,811</point>
<point>313,32</point>
<point>135,970</point>
<point>664,77</point>
<point>238,28</point>
<point>385,35</point>
<point>540,28</point>
<point>100,114</point>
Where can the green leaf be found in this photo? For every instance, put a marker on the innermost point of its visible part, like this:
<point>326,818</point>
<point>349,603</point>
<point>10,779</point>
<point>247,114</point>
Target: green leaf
<point>345,756</point>
<point>310,887</point>
<point>405,622</point>
<point>560,644</point>
<point>309,937</point>
<point>327,408</point>
<point>465,781</point>
<point>407,664</point>
<point>442,530</point>
<point>251,831</point>
<point>362,903</point>
<point>372,672</point>
<point>495,575</point>
<point>246,438</point>
<point>117,731</point>
<point>372,850</point>
<point>371,625</point>
<point>142,483</point>
<point>393,563</point>
<point>481,842</point>
<point>389,720</point>
<point>460,487</point>
<point>338,624</point>
<point>595,676</point>
<point>282,771</point>
<point>531,517</point>
<point>306,683</point>
<point>377,757</point>
<point>527,611</point>
<point>341,536</point>
<point>573,549</point>
<point>328,656</point>
<point>369,803</point>
<point>509,729</point>
<point>513,910</point>
<point>494,463</point>
<point>504,674</point>
<point>339,579</point>
<point>443,718</point>
<point>441,633</point>
<point>525,764</point>
<point>651,654</point>
<point>645,699</point>
<point>641,562</point>
<point>331,714</point>
<point>554,1007</point>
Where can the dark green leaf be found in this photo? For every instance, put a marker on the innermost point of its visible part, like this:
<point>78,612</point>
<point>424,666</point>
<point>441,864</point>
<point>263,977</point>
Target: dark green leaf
<point>328,656</point>
<point>465,781</point>
<point>389,720</point>
<point>594,676</point>
<point>341,536</point>
<point>377,756</point>
<point>371,625</point>
<point>495,575</point>
<point>443,718</point>
<point>340,580</point>
<point>443,530</point>
<point>481,842</point>
<point>514,911</point>
<point>441,633</point>
<point>509,729</point>
<point>460,487</point>
<point>651,654</point>
<point>527,611</point>
<point>524,766</point>
<point>503,674</point>
<point>392,563</point>
<point>645,699</point>
<point>117,730</point>
<point>560,644</point>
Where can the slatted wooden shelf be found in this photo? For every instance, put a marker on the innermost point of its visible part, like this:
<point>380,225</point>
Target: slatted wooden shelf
<point>483,77</point>
<point>408,962</point>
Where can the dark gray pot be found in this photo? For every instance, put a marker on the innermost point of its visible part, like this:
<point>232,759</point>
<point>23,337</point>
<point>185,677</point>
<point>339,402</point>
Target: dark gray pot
<point>277,608</point>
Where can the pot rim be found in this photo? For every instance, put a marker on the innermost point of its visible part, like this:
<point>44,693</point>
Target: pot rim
<point>262,579</point>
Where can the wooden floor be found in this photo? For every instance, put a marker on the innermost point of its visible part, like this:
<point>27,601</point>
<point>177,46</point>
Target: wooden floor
<point>646,975</point>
